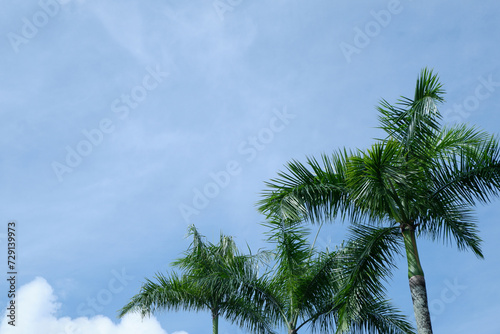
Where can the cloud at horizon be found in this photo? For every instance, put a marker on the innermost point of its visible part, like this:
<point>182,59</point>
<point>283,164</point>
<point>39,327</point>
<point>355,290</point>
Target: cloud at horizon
<point>37,309</point>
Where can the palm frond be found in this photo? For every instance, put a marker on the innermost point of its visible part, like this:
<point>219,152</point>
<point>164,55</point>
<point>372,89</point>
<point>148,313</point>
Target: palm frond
<point>357,272</point>
<point>413,121</point>
<point>314,191</point>
<point>378,316</point>
<point>374,178</point>
<point>470,175</point>
<point>166,293</point>
<point>449,222</point>
<point>451,140</point>
<point>369,257</point>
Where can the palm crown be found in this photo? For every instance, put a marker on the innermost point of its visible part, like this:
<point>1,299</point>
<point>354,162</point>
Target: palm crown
<point>202,287</point>
<point>337,291</point>
<point>422,178</point>
<point>334,291</point>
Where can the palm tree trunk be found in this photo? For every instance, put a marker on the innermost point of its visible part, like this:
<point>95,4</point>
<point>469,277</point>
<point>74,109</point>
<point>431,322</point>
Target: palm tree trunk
<point>215,321</point>
<point>417,281</point>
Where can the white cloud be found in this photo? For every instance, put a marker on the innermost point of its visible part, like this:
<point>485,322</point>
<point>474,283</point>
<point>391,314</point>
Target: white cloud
<point>36,306</point>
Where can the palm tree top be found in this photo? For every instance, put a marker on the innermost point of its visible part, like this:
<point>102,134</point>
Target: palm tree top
<point>423,178</point>
<point>422,175</point>
<point>202,285</point>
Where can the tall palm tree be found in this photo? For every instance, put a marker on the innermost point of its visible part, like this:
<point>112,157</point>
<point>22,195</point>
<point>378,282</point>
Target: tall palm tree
<point>201,287</point>
<point>423,178</point>
<point>337,291</point>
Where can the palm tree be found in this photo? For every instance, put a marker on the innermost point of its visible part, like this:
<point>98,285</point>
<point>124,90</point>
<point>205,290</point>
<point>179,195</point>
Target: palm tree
<point>201,287</point>
<point>340,290</point>
<point>423,179</point>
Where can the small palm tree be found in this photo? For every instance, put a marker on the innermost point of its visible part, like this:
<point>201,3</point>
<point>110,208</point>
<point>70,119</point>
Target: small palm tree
<point>422,179</point>
<point>201,287</point>
<point>340,290</point>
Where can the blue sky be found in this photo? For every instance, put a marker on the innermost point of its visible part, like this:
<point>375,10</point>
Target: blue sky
<point>117,115</point>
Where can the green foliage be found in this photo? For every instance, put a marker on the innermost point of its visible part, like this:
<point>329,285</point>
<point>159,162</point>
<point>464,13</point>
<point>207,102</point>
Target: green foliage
<point>421,174</point>
<point>335,291</point>
<point>339,291</point>
<point>422,177</point>
<point>205,285</point>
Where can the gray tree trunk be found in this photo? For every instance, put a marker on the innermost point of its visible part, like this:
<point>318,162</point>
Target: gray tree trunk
<point>420,306</point>
<point>417,281</point>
